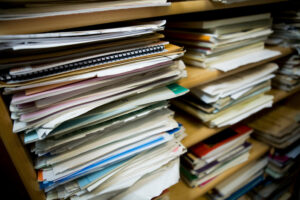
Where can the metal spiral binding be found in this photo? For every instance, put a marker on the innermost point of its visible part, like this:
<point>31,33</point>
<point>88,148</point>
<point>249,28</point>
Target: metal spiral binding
<point>84,64</point>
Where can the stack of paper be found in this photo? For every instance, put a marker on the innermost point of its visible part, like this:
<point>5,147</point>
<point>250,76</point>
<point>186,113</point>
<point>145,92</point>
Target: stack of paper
<point>287,34</point>
<point>231,99</point>
<point>230,1</point>
<point>211,157</point>
<point>15,9</point>
<point>280,126</point>
<point>286,28</point>
<point>93,104</point>
<point>288,75</point>
<point>163,196</point>
<point>241,182</point>
<point>223,44</point>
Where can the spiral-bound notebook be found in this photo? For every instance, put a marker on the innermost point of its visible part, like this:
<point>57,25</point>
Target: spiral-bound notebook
<point>64,72</point>
<point>83,63</point>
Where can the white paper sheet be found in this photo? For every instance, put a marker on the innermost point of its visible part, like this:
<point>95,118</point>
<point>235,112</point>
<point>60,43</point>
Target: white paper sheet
<point>152,184</point>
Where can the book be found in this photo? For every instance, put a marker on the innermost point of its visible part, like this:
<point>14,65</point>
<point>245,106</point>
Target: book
<point>210,145</point>
<point>209,167</point>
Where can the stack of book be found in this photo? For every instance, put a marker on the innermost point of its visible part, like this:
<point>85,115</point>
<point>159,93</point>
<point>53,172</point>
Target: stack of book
<point>223,44</point>
<point>93,106</point>
<point>270,189</point>
<point>286,29</point>
<point>240,183</point>
<point>288,76</point>
<point>282,188</point>
<point>280,126</point>
<point>230,99</point>
<point>282,161</point>
<point>206,160</point>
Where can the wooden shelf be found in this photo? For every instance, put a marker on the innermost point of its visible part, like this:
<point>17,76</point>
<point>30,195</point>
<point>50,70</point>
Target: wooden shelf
<point>280,94</point>
<point>196,131</point>
<point>18,154</point>
<point>52,23</point>
<point>182,191</point>
<point>198,76</point>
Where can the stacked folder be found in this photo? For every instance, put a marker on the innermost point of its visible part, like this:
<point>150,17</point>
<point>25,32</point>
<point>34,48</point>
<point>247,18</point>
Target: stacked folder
<point>286,28</point>
<point>241,182</point>
<point>93,106</point>
<point>230,99</point>
<point>288,75</point>
<point>223,44</point>
<point>206,160</point>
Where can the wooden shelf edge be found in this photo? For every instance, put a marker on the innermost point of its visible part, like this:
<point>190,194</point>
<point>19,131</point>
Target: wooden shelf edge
<point>196,131</point>
<point>198,76</point>
<point>19,155</point>
<point>52,23</point>
<point>182,191</point>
